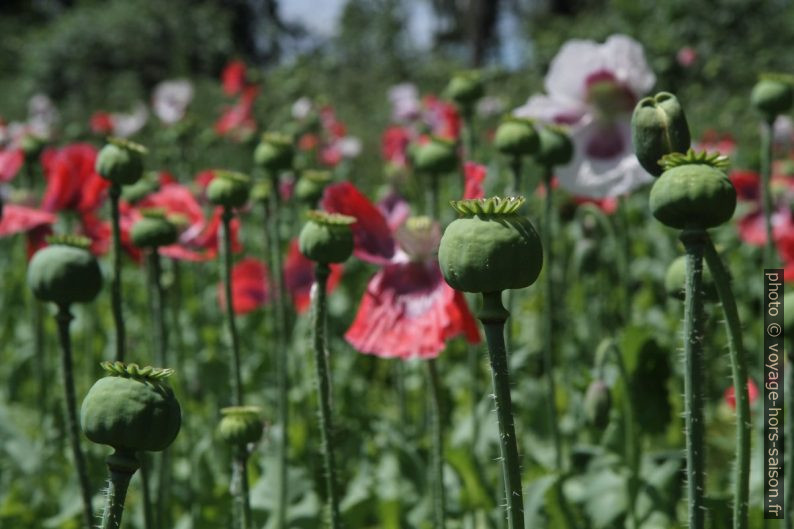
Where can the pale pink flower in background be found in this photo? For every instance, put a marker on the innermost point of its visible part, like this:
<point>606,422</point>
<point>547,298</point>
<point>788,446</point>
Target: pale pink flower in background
<point>405,103</point>
<point>42,116</point>
<point>686,56</point>
<point>593,88</point>
<point>349,147</point>
<point>301,108</point>
<point>490,106</point>
<point>125,125</point>
<point>170,100</point>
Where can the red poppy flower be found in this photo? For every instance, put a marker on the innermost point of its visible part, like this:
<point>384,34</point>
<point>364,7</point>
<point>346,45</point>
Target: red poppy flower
<point>308,142</point>
<point>238,121</point>
<point>608,205</point>
<point>474,176</point>
<point>299,277</point>
<point>730,394</point>
<point>11,161</point>
<point>713,141</point>
<point>408,310</point>
<point>442,117</point>
<point>250,289</point>
<point>20,219</point>
<point>746,184</point>
<point>72,182</point>
<point>394,145</point>
<point>101,122</point>
<point>233,78</point>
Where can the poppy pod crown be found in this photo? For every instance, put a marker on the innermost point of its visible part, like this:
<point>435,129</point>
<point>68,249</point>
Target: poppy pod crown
<point>437,156</point>
<point>773,95</point>
<point>132,409</point>
<point>229,189</point>
<point>491,247</point>
<point>121,161</point>
<point>554,146</point>
<point>693,192</point>
<point>516,137</point>
<point>241,425</point>
<point>465,88</point>
<point>274,152</point>
<point>154,230</point>
<point>65,272</point>
<point>326,237</point>
<point>658,128</point>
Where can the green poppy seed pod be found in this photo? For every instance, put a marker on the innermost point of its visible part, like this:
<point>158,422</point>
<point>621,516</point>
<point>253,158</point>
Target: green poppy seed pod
<point>241,425</point>
<point>310,186</point>
<point>693,192</point>
<point>326,237</point>
<point>65,272</point>
<point>658,127</point>
<point>675,281</point>
<point>465,88</point>
<point>516,137</point>
<point>229,189</point>
<point>121,161</point>
<point>131,409</point>
<point>491,247</point>
<point>260,192</point>
<point>772,96</point>
<point>437,156</point>
<point>597,404</point>
<point>153,230</point>
<point>555,147</point>
<point>274,152</point>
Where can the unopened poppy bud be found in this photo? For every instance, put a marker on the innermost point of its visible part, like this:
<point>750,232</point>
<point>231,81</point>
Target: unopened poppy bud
<point>274,152</point>
<point>241,425</point>
<point>437,156</point>
<point>693,192</point>
<point>310,186</point>
<point>229,189</point>
<point>675,281</point>
<point>465,88</point>
<point>555,147</point>
<point>153,230</point>
<point>65,272</point>
<point>326,237</point>
<point>121,161</point>
<point>132,409</point>
<point>491,247</point>
<point>516,137</point>
<point>658,127</point>
<point>597,404</point>
<point>773,95</point>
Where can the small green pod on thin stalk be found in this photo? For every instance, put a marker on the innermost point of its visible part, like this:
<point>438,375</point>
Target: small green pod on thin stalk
<point>229,189</point>
<point>121,161</point>
<point>327,238</point>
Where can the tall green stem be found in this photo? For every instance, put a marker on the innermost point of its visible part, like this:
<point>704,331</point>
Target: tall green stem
<point>493,316</point>
<point>121,466</point>
<point>469,139</point>
<point>321,272</point>
<point>766,194</point>
<point>439,495</point>
<point>146,491</point>
<point>722,281</point>
<point>64,318</point>
<point>236,378</point>
<point>115,287</point>
<point>239,488</point>
<point>515,170</point>
<point>693,377</point>
<point>281,350</point>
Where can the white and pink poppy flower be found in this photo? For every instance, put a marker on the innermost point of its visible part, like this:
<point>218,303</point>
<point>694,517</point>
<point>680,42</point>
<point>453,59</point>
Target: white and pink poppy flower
<point>125,125</point>
<point>592,88</point>
<point>405,103</point>
<point>170,100</point>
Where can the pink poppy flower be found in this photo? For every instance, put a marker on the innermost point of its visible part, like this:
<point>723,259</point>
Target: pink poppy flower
<point>238,121</point>
<point>474,175</point>
<point>20,219</point>
<point>11,161</point>
<point>250,289</point>
<point>408,310</point>
<point>593,88</point>
<point>394,145</point>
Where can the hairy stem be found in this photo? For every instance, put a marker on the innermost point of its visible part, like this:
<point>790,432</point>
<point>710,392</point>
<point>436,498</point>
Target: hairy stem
<point>722,281</point>
<point>239,488</point>
<point>766,195</point>
<point>236,378</point>
<point>439,495</point>
<point>115,287</point>
<point>122,466</point>
<point>64,318</point>
<point>324,392</point>
<point>693,377</point>
<point>493,316</point>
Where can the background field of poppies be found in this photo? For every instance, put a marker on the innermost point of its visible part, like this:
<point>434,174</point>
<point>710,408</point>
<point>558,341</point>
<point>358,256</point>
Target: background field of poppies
<point>198,82</point>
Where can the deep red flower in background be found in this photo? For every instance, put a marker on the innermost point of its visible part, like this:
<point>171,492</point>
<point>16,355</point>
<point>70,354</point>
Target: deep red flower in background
<point>72,183</point>
<point>101,122</point>
<point>394,145</point>
<point>238,121</point>
<point>407,310</point>
<point>233,77</point>
<point>442,117</point>
<point>250,289</point>
<point>299,277</point>
<point>474,175</point>
<point>713,142</point>
<point>730,394</point>
<point>747,184</point>
<point>11,161</point>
